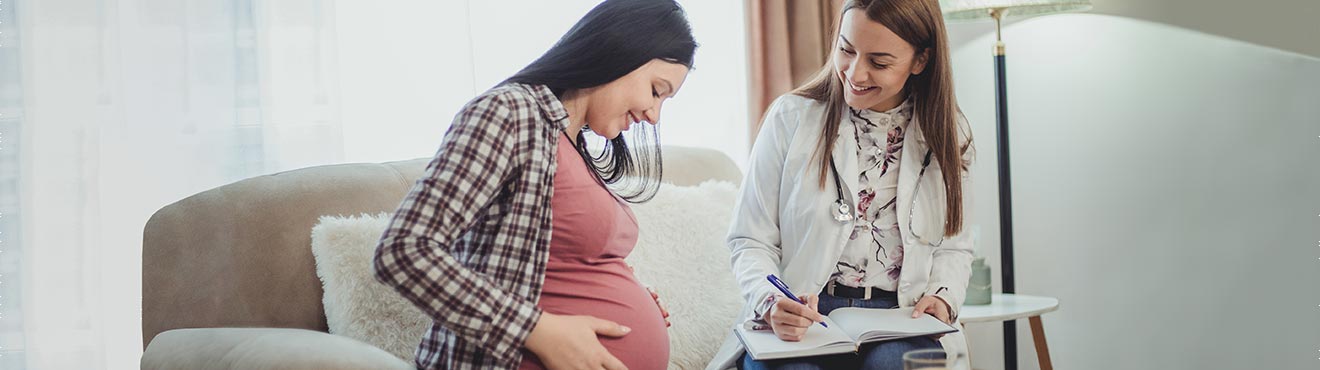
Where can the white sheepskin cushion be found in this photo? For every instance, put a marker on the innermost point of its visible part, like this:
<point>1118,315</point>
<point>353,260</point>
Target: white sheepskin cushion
<point>680,252</point>
<point>356,305</point>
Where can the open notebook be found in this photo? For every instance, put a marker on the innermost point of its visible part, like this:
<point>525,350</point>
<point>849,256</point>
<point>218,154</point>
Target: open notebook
<point>850,327</point>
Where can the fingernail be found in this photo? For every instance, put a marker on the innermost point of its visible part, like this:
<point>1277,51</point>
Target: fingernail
<point>626,329</point>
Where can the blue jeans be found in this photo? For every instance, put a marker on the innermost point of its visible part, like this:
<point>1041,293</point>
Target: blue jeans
<point>887,355</point>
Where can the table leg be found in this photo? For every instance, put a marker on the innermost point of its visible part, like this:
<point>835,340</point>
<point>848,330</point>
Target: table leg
<point>969,352</point>
<point>1042,349</point>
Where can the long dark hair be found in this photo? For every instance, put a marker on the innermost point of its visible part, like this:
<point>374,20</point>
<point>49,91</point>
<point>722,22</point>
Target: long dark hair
<point>920,23</point>
<point>613,39</point>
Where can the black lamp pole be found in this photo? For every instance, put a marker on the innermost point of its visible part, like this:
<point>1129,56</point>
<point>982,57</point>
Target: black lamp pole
<point>1005,191</point>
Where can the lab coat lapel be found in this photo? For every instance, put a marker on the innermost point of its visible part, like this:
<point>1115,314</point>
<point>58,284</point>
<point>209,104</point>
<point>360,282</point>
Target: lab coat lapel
<point>914,150</point>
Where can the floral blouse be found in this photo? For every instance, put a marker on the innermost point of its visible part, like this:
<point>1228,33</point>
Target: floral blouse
<point>873,256</point>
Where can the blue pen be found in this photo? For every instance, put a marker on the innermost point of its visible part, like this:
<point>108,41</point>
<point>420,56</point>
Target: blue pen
<point>774,280</point>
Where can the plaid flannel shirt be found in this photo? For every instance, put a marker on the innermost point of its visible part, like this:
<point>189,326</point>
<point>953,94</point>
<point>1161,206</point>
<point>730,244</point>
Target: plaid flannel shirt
<point>469,243</point>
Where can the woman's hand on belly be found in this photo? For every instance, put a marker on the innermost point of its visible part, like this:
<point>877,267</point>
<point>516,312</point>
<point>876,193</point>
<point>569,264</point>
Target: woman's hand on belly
<point>569,342</point>
<point>655,296</point>
<point>664,313</point>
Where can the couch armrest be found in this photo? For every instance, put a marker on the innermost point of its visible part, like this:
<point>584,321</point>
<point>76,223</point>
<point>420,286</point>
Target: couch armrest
<point>263,348</point>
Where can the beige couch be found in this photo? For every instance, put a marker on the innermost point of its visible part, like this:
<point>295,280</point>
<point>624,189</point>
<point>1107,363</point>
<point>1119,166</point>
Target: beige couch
<point>229,280</point>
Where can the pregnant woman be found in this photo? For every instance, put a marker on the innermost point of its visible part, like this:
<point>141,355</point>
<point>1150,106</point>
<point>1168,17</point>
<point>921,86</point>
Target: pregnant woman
<point>513,241</point>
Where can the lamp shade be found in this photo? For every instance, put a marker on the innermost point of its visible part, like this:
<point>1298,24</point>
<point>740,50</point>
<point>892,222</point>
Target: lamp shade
<point>973,9</point>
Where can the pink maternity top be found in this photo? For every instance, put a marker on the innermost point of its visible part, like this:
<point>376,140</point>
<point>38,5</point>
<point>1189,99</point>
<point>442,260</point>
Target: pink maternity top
<point>593,230</point>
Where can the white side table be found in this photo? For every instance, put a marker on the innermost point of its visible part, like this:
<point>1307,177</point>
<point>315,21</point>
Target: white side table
<point>1004,307</point>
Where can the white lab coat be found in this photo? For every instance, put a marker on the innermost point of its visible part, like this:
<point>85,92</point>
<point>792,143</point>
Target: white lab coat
<point>783,223</point>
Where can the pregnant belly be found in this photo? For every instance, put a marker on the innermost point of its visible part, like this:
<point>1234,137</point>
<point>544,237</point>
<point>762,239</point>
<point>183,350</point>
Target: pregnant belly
<point>608,291</point>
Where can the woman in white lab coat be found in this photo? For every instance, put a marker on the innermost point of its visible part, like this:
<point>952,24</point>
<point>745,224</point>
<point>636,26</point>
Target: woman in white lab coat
<point>856,191</point>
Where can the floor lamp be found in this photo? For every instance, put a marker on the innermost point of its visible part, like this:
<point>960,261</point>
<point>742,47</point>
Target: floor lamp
<point>998,9</point>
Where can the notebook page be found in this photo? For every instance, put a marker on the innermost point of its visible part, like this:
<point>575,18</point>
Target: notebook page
<point>764,345</point>
<point>863,324</point>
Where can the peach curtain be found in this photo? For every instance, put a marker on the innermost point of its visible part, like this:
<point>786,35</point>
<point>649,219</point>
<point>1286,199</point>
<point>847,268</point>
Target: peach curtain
<point>789,42</point>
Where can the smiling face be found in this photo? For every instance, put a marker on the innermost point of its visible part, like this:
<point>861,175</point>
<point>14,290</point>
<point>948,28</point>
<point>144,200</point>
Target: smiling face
<point>635,97</point>
<point>873,63</point>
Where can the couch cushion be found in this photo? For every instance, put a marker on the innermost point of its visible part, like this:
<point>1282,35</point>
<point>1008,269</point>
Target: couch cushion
<point>263,348</point>
<point>680,251</point>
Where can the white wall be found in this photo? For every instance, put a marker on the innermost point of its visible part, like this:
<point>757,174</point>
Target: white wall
<point>1165,190</point>
<point>1285,24</point>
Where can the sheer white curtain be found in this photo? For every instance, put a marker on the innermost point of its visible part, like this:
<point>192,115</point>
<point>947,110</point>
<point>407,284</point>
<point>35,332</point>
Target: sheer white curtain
<point>11,113</point>
<point>132,104</point>
<point>111,109</point>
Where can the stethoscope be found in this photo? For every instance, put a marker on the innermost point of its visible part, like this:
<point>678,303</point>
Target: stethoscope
<point>843,212</point>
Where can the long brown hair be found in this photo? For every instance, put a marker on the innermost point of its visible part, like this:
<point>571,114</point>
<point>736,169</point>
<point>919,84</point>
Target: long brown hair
<point>920,23</point>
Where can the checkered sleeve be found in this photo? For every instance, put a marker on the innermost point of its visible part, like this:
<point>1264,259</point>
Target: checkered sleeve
<point>415,256</point>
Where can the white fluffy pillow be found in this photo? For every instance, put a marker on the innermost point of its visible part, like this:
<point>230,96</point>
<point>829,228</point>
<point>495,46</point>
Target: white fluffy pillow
<point>356,305</point>
<point>680,252</point>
